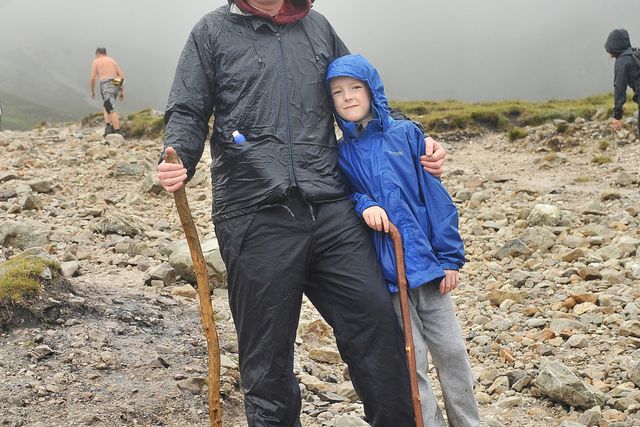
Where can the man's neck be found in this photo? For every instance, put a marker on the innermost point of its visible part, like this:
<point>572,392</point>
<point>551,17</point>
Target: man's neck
<point>271,9</point>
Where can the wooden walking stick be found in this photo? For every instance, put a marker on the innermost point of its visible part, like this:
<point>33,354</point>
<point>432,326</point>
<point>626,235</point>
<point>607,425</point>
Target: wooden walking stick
<point>406,323</point>
<point>206,310</point>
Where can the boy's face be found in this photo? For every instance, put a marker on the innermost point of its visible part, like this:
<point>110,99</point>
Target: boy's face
<point>351,99</point>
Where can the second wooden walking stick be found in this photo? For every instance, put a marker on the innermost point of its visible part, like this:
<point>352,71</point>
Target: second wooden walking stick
<point>206,309</point>
<point>406,323</point>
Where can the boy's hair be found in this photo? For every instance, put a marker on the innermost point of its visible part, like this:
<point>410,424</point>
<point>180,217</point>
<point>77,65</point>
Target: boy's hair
<point>101,51</point>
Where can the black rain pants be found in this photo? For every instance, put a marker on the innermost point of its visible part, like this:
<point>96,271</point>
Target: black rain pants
<point>323,251</point>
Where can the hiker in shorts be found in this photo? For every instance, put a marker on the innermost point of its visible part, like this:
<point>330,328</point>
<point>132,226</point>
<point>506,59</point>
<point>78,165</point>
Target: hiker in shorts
<point>626,73</point>
<point>111,87</point>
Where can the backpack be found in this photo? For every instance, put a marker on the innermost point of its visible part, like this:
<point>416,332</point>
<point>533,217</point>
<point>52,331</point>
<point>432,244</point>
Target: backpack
<point>635,54</point>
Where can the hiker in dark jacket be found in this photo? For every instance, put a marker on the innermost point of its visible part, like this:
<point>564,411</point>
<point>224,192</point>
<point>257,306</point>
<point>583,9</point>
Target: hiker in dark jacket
<point>282,213</point>
<point>626,73</point>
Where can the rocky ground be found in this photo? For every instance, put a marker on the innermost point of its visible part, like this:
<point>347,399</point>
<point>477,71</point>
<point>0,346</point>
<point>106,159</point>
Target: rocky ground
<point>548,302</point>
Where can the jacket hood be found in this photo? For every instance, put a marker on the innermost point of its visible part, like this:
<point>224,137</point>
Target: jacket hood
<point>357,67</point>
<point>292,10</point>
<point>617,42</point>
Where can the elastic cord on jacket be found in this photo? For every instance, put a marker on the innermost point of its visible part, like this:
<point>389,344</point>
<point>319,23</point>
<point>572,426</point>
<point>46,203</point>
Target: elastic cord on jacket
<point>306,33</point>
<point>252,38</point>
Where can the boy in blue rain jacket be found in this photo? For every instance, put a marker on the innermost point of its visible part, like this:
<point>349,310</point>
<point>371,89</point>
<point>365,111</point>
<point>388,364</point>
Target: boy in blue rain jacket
<point>379,157</point>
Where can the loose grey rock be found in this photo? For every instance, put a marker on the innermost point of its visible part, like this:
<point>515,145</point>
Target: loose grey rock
<point>164,272</point>
<point>192,385</point>
<point>513,248</point>
<point>180,260</point>
<point>25,234</point>
<point>557,382</point>
<point>591,417</point>
<point>124,225</point>
<point>42,351</point>
<point>41,185</point>
<point>545,215</point>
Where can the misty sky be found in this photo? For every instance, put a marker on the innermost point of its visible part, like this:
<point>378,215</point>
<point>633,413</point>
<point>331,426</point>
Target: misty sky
<point>470,50</point>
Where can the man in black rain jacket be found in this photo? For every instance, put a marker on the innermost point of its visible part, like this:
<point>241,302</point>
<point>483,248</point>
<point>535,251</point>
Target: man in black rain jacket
<point>282,213</point>
<point>626,73</point>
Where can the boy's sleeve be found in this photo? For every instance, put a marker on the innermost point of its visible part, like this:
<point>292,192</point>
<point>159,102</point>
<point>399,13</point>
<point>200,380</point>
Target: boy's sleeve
<point>361,199</point>
<point>363,202</point>
<point>442,214</point>
<point>191,99</point>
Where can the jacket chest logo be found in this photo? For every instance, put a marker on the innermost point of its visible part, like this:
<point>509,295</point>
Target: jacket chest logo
<point>394,153</point>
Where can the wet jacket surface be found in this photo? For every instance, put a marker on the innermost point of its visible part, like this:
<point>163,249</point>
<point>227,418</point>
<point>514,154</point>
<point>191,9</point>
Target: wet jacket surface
<point>383,168</point>
<point>626,71</point>
<point>266,81</point>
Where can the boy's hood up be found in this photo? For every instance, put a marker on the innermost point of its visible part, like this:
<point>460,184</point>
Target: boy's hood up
<point>617,42</point>
<point>357,67</point>
<point>293,10</point>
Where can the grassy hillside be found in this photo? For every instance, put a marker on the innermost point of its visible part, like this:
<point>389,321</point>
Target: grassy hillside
<point>435,116</point>
<point>502,115</point>
<point>21,114</point>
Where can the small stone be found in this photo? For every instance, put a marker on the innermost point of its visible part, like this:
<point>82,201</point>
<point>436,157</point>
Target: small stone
<point>510,402</point>
<point>506,355</point>
<point>158,362</point>
<point>522,383</point>
<point>498,296</point>
<point>42,351</point>
<point>185,291</point>
<point>578,341</point>
<point>325,355</point>
<point>349,421</point>
<point>591,417</point>
<point>483,398</point>
<point>192,385</point>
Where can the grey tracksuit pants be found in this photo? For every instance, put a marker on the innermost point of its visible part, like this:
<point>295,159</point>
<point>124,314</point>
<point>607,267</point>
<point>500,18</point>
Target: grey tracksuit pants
<point>436,329</point>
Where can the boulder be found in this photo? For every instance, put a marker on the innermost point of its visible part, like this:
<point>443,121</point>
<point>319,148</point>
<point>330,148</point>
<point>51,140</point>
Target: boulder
<point>558,383</point>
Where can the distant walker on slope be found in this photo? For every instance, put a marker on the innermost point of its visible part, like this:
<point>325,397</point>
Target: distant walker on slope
<point>111,87</point>
<point>626,72</point>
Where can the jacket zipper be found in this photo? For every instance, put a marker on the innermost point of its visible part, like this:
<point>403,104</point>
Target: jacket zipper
<point>292,177</point>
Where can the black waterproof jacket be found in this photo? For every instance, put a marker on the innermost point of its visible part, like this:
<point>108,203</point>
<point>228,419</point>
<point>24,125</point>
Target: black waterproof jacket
<point>626,71</point>
<point>267,82</point>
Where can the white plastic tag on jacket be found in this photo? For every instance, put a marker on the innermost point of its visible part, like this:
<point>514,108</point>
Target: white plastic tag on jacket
<point>236,10</point>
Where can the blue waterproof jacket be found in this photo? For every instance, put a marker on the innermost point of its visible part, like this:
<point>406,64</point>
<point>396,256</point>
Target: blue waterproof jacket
<point>382,166</point>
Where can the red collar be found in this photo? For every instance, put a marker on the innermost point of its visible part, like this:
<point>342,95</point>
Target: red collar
<point>292,11</point>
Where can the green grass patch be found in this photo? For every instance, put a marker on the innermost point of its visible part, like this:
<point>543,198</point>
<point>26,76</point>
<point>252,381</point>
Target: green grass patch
<point>144,123</point>
<point>601,160</point>
<point>94,119</point>
<point>500,115</point>
<point>20,277</point>
<point>562,127</point>
<point>582,179</point>
<point>603,145</point>
<point>516,133</point>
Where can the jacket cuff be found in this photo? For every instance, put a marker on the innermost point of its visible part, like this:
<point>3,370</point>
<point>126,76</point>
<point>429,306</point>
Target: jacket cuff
<point>361,207</point>
<point>449,266</point>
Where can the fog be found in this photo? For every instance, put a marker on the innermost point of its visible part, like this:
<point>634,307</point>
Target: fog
<point>459,49</point>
